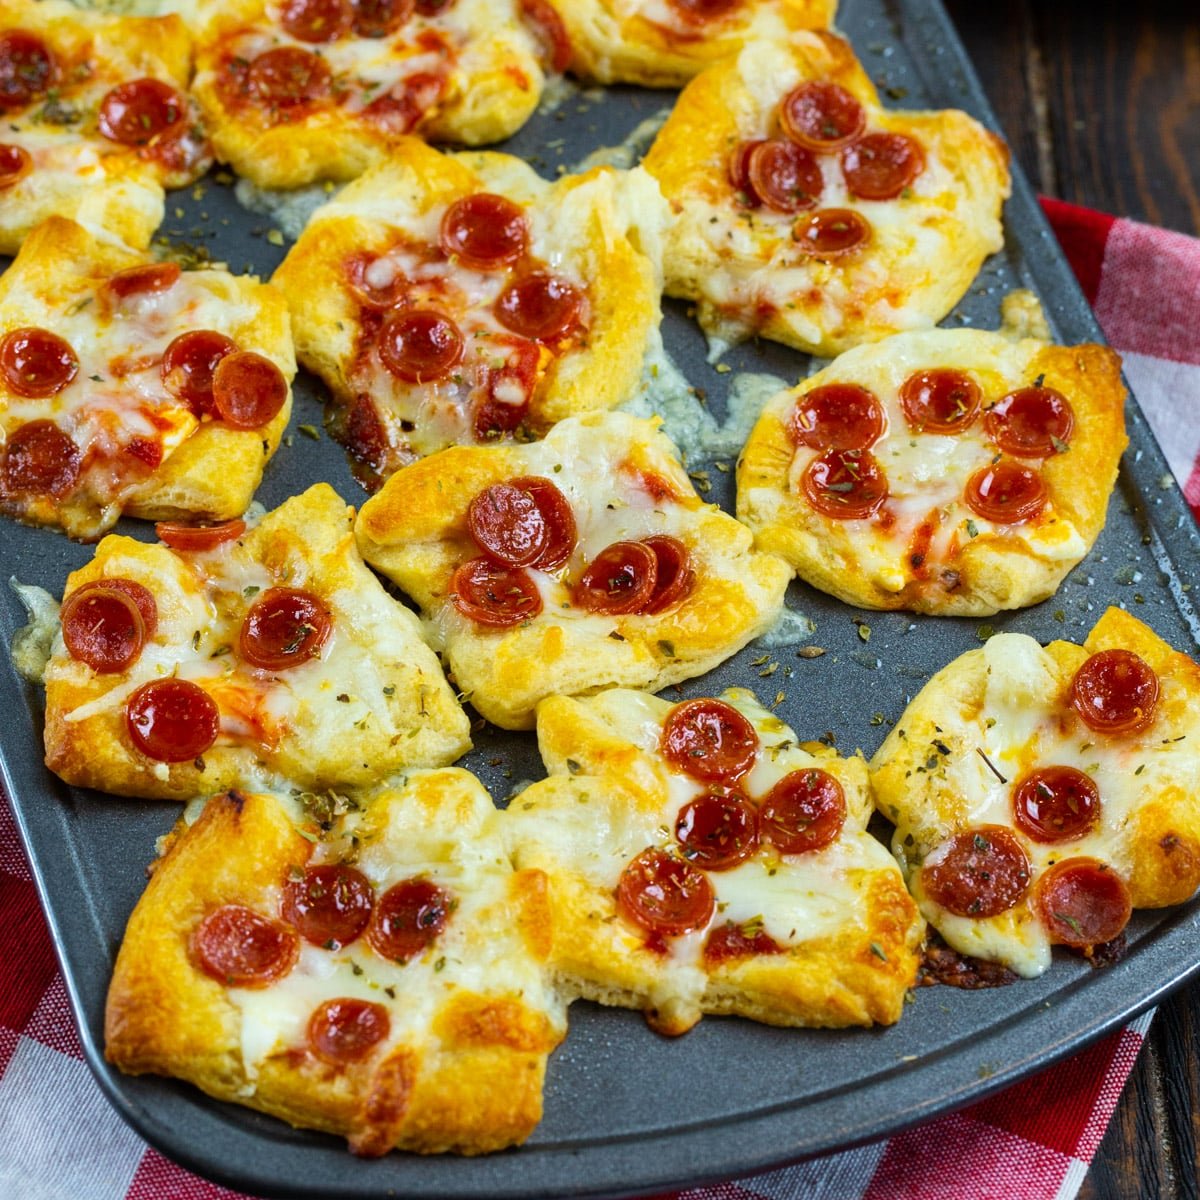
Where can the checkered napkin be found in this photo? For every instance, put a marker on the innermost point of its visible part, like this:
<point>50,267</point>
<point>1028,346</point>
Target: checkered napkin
<point>59,1138</point>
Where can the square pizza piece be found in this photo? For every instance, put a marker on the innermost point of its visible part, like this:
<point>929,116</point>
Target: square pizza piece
<point>130,386</point>
<point>372,969</point>
<point>96,119</point>
<point>664,43</point>
<point>954,472</point>
<point>462,299</point>
<point>701,860</point>
<point>1042,793</point>
<point>570,565</point>
<point>232,654</point>
<point>304,90</point>
<point>808,214</point>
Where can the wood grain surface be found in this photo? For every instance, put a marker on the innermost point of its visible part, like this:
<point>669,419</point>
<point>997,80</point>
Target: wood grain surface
<point>1101,103</point>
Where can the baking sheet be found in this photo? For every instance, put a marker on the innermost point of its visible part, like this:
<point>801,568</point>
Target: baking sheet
<point>627,1111</point>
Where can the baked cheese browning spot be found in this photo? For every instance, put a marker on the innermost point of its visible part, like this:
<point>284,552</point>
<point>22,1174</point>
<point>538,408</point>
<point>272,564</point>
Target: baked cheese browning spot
<point>802,206</point>
<point>112,400</point>
<point>938,472</point>
<point>1021,824</point>
<point>751,889</point>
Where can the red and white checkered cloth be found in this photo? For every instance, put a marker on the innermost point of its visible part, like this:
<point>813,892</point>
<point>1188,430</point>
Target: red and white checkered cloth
<point>60,1139</point>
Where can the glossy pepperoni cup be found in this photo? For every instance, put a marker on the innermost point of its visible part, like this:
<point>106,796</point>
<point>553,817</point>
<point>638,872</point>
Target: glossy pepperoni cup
<point>420,345</point>
<point>328,905</point>
<point>172,720</point>
<point>317,21</point>
<point>837,416</point>
<point>241,948</point>
<point>378,18</point>
<point>484,231</point>
<point>15,164</point>
<point>103,628</point>
<point>717,831</point>
<point>663,895</point>
<point>709,740</point>
<point>620,580</point>
<point>739,172</point>
<point>287,77</point>
<point>507,524</point>
<point>1115,692</point>
<point>881,165</point>
<point>940,400</point>
<point>40,460</point>
<point>147,606</point>
<point>549,30</point>
<point>149,279</point>
<point>1006,493</point>
<point>188,364</point>
<point>803,812</point>
<point>408,918</point>
<point>27,68</point>
<point>137,112</point>
<point>831,233</point>
<point>977,873</point>
<point>822,116</point>
<point>347,1030</point>
<point>540,305</point>
<point>196,539</point>
<point>729,942</point>
<point>248,390</point>
<point>845,484</point>
<point>1082,902</point>
<point>1032,422</point>
<point>493,595</point>
<point>1056,804</point>
<point>284,628</point>
<point>36,363</point>
<point>784,176</point>
<point>674,577</point>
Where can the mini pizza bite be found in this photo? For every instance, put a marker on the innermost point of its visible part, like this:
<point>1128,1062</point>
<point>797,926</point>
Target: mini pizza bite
<point>96,119</point>
<point>302,90</point>
<point>462,299</point>
<point>372,969</point>
<point>130,386</point>
<point>569,565</point>
<point>808,214</point>
<point>664,43</point>
<point>1041,794</point>
<point>231,654</point>
<point>954,472</point>
<point>701,860</point>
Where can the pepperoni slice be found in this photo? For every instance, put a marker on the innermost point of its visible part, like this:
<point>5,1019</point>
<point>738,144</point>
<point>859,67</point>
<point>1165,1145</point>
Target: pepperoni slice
<point>198,538</point>
<point>1006,493</point>
<point>664,895</point>
<point>1115,691</point>
<point>837,416</point>
<point>36,363</point>
<point>831,232</point>
<point>15,164</point>
<point>433,8</point>
<point>699,12</point>
<point>136,112</point>
<point>420,345</point>
<point>784,176</point>
<point>509,392</point>
<point>803,812</point>
<point>739,172</point>
<point>103,628</point>
<point>240,948</point>
<point>674,577</point>
<point>619,580</point>
<point>1082,903</point>
<point>940,400</point>
<point>40,459</point>
<point>172,720</point>
<point>484,231</point>
<point>541,305</point>
<point>1032,422</point>
<point>408,919</point>
<point>550,31</point>
<point>283,628</point>
<point>406,103</point>
<point>328,906</point>
<point>188,365</point>
<point>494,595</point>
<point>27,68</point>
<point>717,831</point>
<point>378,18</point>
<point>318,21</point>
<point>149,279</point>
<point>375,281</point>
<point>881,165</point>
<point>822,116</point>
<point>248,390</point>
<point>846,484</point>
<point>977,873</point>
<point>729,941</point>
<point>507,524</point>
<point>561,532</point>
<point>141,596</point>
<point>346,1030</point>
<point>708,740</point>
<point>1056,804</point>
<point>287,76</point>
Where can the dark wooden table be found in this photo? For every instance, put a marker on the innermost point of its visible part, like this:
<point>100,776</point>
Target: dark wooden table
<point>1101,103</point>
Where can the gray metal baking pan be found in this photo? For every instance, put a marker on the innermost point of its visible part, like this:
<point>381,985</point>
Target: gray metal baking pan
<point>628,1112</point>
